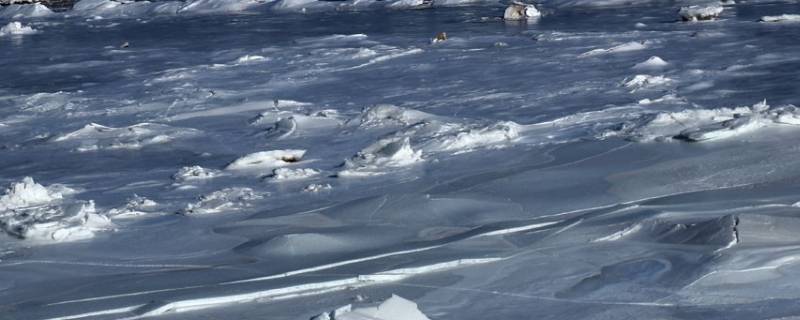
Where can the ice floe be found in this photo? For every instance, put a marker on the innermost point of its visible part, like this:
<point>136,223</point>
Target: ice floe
<point>394,308</point>
<point>34,212</point>
<point>93,137</point>
<point>701,12</point>
<point>16,28</point>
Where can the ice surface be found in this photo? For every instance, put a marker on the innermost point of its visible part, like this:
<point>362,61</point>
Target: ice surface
<point>331,158</point>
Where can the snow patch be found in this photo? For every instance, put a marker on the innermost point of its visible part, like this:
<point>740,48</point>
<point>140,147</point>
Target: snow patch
<point>31,211</point>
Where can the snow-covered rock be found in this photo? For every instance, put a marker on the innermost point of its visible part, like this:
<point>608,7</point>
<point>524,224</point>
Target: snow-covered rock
<point>394,308</point>
<point>701,12</point>
<point>31,211</point>
<point>16,28</point>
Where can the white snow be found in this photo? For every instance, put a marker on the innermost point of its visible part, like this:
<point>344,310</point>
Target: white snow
<point>394,308</point>
<point>16,28</point>
<point>701,12</point>
<point>266,160</point>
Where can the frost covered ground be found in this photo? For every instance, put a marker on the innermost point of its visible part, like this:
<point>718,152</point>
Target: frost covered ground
<point>237,160</point>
